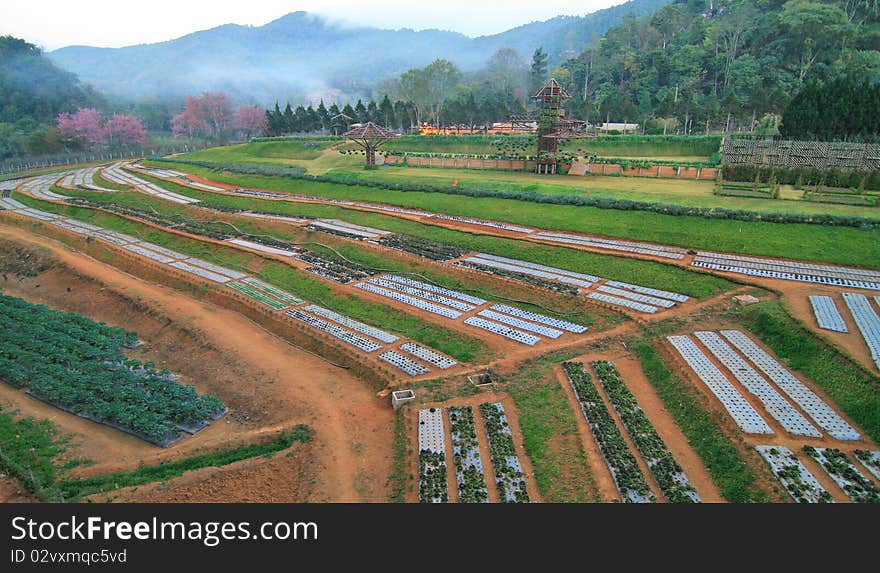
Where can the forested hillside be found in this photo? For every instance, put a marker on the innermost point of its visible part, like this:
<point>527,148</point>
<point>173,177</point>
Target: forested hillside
<point>721,63</point>
<point>33,91</point>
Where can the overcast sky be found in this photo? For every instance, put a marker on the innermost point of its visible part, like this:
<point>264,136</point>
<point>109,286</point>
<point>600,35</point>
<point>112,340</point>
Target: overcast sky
<point>113,23</point>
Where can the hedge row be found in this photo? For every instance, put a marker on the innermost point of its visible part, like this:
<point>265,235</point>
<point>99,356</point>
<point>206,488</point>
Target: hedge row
<point>805,176</point>
<point>553,199</point>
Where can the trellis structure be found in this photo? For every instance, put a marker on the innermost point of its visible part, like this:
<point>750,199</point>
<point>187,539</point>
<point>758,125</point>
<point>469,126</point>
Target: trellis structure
<point>553,126</point>
<point>370,137</point>
<point>815,154</point>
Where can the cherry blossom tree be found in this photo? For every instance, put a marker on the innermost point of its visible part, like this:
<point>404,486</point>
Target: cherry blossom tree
<point>250,120</point>
<point>86,126</point>
<point>124,129</point>
<point>209,116</point>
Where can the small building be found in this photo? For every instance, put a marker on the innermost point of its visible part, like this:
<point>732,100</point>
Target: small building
<point>619,127</point>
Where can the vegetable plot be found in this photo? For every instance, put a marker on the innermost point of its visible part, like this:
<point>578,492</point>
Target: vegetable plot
<point>77,365</point>
<point>669,475</point>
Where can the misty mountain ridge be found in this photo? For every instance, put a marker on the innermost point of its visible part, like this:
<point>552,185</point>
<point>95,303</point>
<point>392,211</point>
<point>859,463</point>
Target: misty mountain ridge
<point>302,56</point>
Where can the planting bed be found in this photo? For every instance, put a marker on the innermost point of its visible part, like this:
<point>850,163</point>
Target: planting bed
<point>432,457</point>
<point>258,295</point>
<point>827,315</point>
<point>738,407</point>
<point>794,476</point>
<point>332,329</point>
<point>422,247</point>
<point>272,290</point>
<point>789,270</point>
<point>859,488</point>
<point>669,474</point>
<point>809,402</point>
<point>508,470</point>
<point>372,331</point>
<point>654,250</point>
<point>502,330</point>
<point>77,364</point>
<point>400,361</point>
<point>628,477</point>
<point>871,461</point>
<point>867,321</point>
<point>777,406</point>
<point>466,451</point>
<point>428,355</point>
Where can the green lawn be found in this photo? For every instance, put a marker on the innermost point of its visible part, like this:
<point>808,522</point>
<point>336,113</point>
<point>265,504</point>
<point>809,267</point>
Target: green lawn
<point>646,189</point>
<point>790,240</point>
<point>550,432</point>
<point>685,192</point>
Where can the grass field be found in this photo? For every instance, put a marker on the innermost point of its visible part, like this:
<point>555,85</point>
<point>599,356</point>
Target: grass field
<point>74,489</point>
<point>796,241</point>
<point>550,432</point>
<point>669,191</point>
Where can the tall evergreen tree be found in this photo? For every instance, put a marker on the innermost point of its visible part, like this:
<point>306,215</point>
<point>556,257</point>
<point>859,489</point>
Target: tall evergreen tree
<point>289,122</point>
<point>538,70</point>
<point>386,112</point>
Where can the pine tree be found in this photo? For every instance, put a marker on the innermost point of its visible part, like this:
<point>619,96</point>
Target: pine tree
<point>323,116</point>
<point>538,70</point>
<point>289,123</point>
<point>360,112</point>
<point>386,112</point>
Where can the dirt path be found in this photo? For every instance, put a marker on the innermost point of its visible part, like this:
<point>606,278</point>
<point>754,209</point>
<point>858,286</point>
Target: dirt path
<point>353,427</point>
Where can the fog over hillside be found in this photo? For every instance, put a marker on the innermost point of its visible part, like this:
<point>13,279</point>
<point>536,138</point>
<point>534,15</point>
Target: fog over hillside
<point>303,57</point>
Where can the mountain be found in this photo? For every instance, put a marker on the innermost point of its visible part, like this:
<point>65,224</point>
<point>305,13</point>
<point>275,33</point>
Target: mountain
<point>301,55</point>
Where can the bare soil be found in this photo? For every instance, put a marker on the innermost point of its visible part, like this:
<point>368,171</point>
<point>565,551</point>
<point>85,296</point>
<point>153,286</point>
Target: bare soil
<point>268,384</point>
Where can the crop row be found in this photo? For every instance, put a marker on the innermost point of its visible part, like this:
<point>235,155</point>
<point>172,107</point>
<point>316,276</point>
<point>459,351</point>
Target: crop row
<point>77,365</point>
<point>423,247</point>
<point>628,477</point>
<point>859,488</point>
<point>508,472</point>
<point>466,451</point>
<point>669,474</point>
<point>522,277</point>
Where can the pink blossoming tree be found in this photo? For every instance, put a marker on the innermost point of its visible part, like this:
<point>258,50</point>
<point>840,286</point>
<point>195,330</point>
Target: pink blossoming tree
<point>250,120</point>
<point>86,126</point>
<point>124,129</point>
